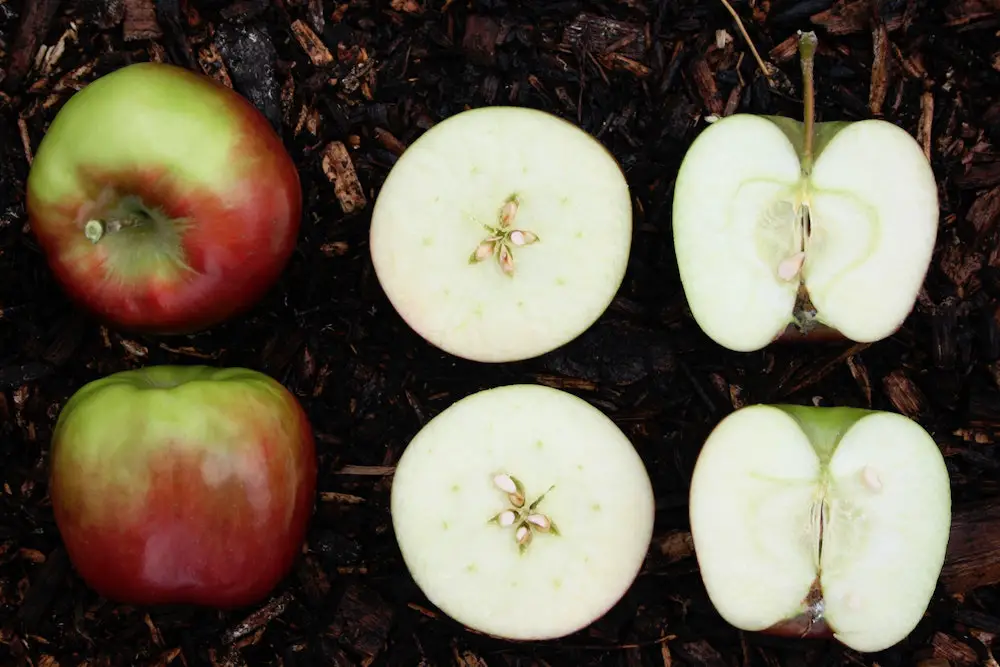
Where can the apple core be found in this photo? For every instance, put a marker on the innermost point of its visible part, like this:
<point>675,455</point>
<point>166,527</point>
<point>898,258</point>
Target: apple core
<point>502,233</point>
<point>522,512</point>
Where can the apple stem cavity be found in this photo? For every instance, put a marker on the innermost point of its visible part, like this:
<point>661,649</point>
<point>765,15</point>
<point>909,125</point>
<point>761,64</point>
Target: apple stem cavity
<point>501,238</point>
<point>96,229</point>
<point>528,521</point>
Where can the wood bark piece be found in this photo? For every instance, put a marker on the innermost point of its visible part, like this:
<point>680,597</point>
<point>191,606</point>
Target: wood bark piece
<point>310,42</point>
<point>35,22</point>
<point>480,40</point>
<point>140,21</point>
<point>973,558</point>
<point>339,168</point>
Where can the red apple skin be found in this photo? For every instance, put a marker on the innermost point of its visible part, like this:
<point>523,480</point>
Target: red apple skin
<point>183,485</point>
<point>228,192</point>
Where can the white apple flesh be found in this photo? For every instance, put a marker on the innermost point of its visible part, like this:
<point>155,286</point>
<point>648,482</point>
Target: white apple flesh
<point>507,569</point>
<point>502,233</point>
<point>773,229</point>
<point>821,521</point>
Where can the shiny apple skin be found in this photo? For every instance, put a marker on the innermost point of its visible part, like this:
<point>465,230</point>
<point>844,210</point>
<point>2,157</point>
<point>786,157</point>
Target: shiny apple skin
<point>190,147</point>
<point>183,484</point>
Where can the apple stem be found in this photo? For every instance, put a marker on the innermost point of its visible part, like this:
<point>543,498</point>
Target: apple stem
<point>807,52</point>
<point>95,230</point>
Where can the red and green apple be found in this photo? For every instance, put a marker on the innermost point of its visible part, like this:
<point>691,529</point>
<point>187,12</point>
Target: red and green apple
<point>183,484</point>
<point>821,522</point>
<point>163,201</point>
<point>780,225</point>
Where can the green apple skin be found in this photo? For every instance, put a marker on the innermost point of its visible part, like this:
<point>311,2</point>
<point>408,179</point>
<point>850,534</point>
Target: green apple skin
<point>218,193</point>
<point>183,484</point>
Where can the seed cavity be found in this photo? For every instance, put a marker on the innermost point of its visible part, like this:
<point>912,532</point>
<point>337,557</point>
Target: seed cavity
<point>527,520</point>
<point>503,238</point>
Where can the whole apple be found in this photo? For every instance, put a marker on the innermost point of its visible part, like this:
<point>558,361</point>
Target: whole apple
<point>183,484</point>
<point>164,201</point>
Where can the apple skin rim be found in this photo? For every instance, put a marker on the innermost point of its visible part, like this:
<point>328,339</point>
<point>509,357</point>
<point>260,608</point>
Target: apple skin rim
<point>599,496</point>
<point>768,460</point>
<point>430,213</point>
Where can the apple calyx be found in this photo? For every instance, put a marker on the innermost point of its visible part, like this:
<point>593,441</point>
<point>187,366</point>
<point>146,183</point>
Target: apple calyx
<point>501,238</point>
<point>527,519</point>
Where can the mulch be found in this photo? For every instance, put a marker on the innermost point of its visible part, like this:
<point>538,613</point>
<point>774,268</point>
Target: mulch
<point>350,84</point>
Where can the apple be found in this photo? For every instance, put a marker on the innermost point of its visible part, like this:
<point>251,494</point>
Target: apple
<point>183,484</point>
<point>777,222</point>
<point>502,233</point>
<point>163,201</point>
<point>522,512</point>
<point>822,522</point>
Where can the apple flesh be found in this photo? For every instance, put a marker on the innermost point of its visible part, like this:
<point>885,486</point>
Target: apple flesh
<point>522,512</point>
<point>164,201</point>
<point>778,222</point>
<point>183,484</point>
<point>821,522</point>
<point>502,233</point>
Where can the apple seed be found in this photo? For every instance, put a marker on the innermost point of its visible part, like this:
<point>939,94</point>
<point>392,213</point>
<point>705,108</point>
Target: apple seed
<point>871,479</point>
<point>540,521</point>
<point>507,518</point>
<point>506,483</point>
<point>789,267</point>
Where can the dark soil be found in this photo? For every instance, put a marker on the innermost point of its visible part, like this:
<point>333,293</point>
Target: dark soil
<point>638,74</point>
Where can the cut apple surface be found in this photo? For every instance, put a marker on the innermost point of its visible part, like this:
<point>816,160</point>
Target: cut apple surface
<point>821,521</point>
<point>780,223</point>
<point>751,229</point>
<point>522,512</point>
<point>502,233</point>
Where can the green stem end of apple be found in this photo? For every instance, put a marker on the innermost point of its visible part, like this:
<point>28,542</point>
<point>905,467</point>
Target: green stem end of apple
<point>138,235</point>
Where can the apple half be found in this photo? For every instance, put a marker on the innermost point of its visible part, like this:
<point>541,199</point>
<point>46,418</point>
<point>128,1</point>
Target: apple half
<point>821,522</point>
<point>522,512</point>
<point>779,223</point>
<point>502,233</point>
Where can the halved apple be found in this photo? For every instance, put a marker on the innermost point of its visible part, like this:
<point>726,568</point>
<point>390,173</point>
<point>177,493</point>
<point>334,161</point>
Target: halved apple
<point>778,222</point>
<point>816,521</point>
<point>522,512</point>
<point>502,233</point>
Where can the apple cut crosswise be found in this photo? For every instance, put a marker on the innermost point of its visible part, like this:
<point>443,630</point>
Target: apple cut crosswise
<point>780,223</point>
<point>502,233</point>
<point>522,512</point>
<point>840,518</point>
